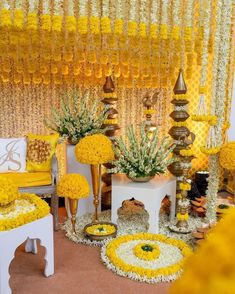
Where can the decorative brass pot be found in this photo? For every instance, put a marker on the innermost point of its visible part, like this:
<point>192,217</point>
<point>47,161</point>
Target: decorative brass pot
<point>176,169</point>
<point>180,115</point>
<point>179,132</point>
<point>140,179</point>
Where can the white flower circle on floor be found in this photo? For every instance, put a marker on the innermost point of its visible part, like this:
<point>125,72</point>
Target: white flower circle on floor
<point>145,257</point>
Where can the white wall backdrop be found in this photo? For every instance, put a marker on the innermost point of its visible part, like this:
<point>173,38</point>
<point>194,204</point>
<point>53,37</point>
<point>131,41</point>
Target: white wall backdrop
<point>231,131</point>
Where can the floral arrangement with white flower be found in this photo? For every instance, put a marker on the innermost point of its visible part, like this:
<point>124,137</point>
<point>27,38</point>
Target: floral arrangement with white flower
<point>142,157</point>
<point>75,120</point>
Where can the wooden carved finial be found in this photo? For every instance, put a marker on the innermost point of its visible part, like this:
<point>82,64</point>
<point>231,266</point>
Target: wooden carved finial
<point>180,86</point>
<point>108,86</point>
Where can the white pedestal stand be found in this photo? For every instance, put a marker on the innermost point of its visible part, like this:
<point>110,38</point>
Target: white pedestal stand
<point>85,205</point>
<point>41,229</point>
<point>150,194</point>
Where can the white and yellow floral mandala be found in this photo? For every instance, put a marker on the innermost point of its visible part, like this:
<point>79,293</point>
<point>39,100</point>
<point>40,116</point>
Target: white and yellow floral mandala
<point>145,257</point>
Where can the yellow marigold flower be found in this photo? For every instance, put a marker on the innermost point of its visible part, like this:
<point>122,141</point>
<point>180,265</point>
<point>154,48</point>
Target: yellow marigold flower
<point>18,18</point>
<point>179,123</point>
<point>73,186</point>
<point>212,120</point>
<point>110,95</point>
<point>8,190</point>
<point>163,31</point>
<point>182,217</point>
<point>175,33</point>
<point>210,151</point>
<point>227,156</point>
<point>111,121</point>
<point>32,23</point>
<point>185,186</point>
<point>188,33</point>
<point>149,111</point>
<point>5,18</point>
<point>153,31</point>
<point>118,26</point>
<point>132,28</point>
<point>105,25</point>
<point>71,23</point>
<point>56,23</point>
<point>142,30</point>
<point>146,251</point>
<point>46,22</point>
<point>94,149</point>
<point>186,152</point>
<point>95,25</point>
<point>82,25</point>
<point>226,125</point>
<point>181,97</point>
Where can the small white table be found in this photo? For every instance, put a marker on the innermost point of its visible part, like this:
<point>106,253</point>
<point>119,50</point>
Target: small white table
<point>41,229</point>
<point>150,194</point>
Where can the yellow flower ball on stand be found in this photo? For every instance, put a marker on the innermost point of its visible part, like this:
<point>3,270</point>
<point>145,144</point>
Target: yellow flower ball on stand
<point>94,149</point>
<point>73,186</point>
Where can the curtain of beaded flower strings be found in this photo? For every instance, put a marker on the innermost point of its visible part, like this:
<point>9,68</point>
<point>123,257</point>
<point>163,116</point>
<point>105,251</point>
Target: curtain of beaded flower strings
<point>51,47</point>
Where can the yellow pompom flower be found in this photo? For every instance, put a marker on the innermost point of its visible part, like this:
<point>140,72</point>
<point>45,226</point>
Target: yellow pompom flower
<point>182,217</point>
<point>73,186</point>
<point>227,156</point>
<point>94,149</point>
<point>8,191</point>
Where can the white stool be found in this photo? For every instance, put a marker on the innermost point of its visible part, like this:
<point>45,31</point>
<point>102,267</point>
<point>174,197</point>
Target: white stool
<point>41,229</point>
<point>150,194</point>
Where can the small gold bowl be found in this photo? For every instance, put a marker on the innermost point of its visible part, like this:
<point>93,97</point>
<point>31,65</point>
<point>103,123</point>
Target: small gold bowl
<point>93,236</point>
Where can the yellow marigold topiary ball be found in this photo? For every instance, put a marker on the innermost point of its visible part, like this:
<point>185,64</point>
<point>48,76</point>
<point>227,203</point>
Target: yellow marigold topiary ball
<point>94,149</point>
<point>212,268</point>
<point>227,156</point>
<point>8,191</point>
<point>73,186</point>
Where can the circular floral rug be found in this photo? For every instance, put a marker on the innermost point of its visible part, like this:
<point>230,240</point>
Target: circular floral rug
<point>145,257</point>
<point>127,225</point>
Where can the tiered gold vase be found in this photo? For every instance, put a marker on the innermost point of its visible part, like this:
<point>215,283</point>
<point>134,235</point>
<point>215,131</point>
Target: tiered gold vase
<point>185,138</point>
<point>112,130</point>
<point>73,206</point>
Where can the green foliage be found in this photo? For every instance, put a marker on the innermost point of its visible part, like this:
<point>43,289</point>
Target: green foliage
<point>142,157</point>
<point>76,120</point>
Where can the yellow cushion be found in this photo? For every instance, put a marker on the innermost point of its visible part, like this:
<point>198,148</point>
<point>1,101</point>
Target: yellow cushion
<point>40,150</point>
<point>29,179</point>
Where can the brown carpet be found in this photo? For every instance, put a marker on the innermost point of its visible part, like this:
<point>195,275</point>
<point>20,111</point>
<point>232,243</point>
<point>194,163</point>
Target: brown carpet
<point>78,269</point>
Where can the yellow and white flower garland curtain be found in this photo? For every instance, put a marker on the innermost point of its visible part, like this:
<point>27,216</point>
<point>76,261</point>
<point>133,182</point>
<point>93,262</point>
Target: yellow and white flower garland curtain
<point>137,41</point>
